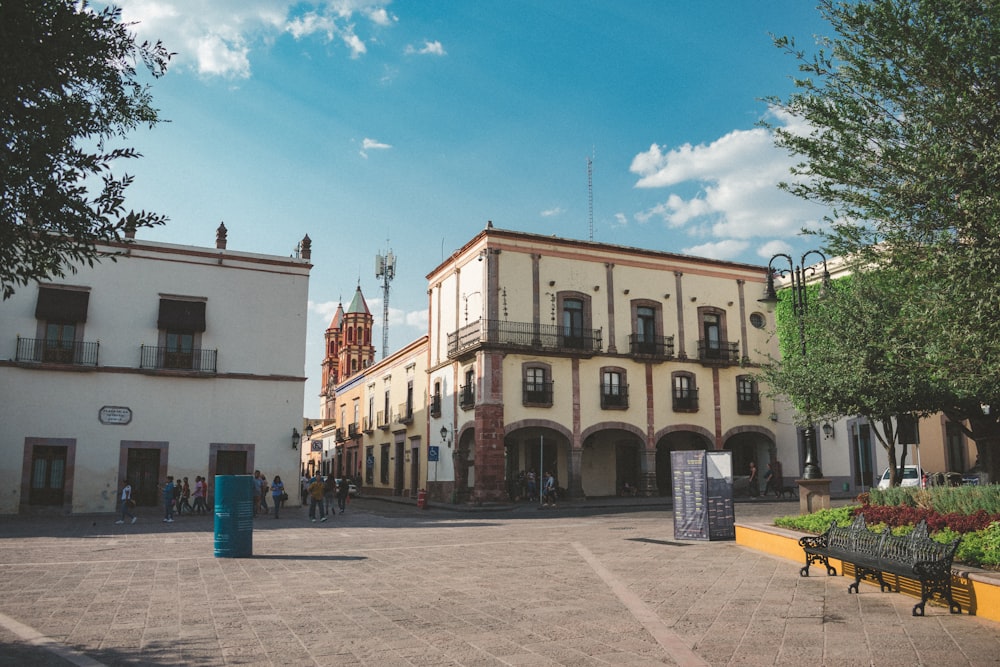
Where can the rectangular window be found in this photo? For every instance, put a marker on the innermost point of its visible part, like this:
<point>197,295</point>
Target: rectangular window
<point>614,392</point>
<point>48,475</point>
<point>747,396</point>
<point>537,388</point>
<point>572,316</point>
<point>684,393</point>
<point>383,472</point>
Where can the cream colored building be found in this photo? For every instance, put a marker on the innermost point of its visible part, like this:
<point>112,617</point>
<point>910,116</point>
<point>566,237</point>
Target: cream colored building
<point>591,361</point>
<point>174,359</point>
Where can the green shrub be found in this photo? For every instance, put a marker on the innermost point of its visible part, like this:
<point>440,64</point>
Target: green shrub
<point>819,521</point>
<point>942,499</point>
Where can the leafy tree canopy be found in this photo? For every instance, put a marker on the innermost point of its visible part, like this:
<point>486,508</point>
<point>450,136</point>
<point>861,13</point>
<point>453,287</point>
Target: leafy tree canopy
<point>69,87</point>
<point>902,141</point>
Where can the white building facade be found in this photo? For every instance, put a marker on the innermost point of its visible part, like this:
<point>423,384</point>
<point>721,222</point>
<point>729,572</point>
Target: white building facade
<point>171,360</point>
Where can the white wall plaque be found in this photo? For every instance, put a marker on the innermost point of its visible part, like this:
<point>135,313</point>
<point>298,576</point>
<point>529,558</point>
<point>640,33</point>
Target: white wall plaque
<point>115,414</point>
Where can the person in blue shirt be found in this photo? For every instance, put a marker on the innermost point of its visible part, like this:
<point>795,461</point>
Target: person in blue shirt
<point>168,500</point>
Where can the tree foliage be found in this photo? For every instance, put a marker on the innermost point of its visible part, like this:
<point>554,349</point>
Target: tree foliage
<point>902,110</point>
<point>70,86</point>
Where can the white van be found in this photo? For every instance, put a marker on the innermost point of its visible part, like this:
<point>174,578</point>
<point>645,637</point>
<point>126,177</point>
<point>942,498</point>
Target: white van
<point>911,477</point>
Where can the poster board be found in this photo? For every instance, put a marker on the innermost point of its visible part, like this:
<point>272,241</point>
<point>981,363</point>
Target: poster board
<point>703,495</point>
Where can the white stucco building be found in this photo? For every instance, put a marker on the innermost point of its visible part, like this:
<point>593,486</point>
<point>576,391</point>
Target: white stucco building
<point>172,359</point>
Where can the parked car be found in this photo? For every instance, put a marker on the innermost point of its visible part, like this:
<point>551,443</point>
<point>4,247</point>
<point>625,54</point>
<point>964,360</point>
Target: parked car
<point>352,490</point>
<point>911,477</point>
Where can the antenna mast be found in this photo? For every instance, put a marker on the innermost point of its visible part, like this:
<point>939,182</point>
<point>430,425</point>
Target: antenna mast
<point>590,195</point>
<point>385,268</point>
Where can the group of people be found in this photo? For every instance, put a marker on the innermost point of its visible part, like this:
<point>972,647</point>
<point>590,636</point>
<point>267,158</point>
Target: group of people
<point>533,489</point>
<point>773,479</point>
<point>261,489</point>
<point>177,497</point>
<point>323,492</point>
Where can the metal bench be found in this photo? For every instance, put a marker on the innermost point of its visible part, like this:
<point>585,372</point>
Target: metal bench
<point>915,556</point>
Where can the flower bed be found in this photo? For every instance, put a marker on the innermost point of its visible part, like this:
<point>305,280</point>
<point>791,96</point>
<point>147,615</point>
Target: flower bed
<point>979,529</point>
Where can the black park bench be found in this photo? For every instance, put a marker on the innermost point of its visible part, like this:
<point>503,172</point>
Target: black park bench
<point>915,556</point>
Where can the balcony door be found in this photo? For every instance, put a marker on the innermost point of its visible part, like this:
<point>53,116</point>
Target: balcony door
<point>48,475</point>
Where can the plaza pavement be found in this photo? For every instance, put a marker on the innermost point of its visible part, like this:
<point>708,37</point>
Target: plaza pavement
<point>587,583</point>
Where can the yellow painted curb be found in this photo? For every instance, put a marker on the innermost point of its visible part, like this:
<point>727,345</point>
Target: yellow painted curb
<point>978,591</point>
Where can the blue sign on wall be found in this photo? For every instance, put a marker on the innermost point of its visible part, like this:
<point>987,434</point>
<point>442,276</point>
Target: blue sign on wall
<point>432,453</point>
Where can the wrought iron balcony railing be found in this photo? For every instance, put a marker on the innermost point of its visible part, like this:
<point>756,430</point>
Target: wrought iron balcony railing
<point>353,431</point>
<point>383,420</point>
<point>466,397</point>
<point>614,396</point>
<point>537,393</point>
<point>367,425</point>
<point>436,405</point>
<point>501,334</point>
<point>40,350</point>
<point>686,400</point>
<point>748,404</point>
<point>164,358</point>
<point>719,352</point>
<point>404,414</point>
<point>339,435</point>
<point>656,347</point>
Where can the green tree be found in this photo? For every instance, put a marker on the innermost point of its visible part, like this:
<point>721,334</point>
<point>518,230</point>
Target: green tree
<point>69,87</point>
<point>859,358</point>
<point>902,142</point>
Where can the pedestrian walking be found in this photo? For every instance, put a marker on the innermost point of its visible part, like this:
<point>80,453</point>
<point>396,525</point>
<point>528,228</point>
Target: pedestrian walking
<point>278,495</point>
<point>257,487</point>
<point>264,491</point>
<point>185,498</point>
<point>343,491</point>
<point>330,493</point>
<point>127,503</point>
<point>549,490</point>
<point>316,499</point>
<point>199,495</point>
<point>168,500</point>
<point>754,482</point>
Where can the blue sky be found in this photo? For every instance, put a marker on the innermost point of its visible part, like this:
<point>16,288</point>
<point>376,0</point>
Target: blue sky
<point>407,125</point>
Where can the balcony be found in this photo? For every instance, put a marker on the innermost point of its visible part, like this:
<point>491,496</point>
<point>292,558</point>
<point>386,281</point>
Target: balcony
<point>718,352</point>
<point>339,435</point>
<point>436,405</point>
<point>383,420</point>
<point>40,350</point>
<point>748,403</point>
<point>163,358</point>
<point>614,397</point>
<point>466,397</point>
<point>537,393</point>
<point>367,425</point>
<point>504,335</point>
<point>651,347</point>
<point>404,414</point>
<point>686,400</point>
<point>353,432</point>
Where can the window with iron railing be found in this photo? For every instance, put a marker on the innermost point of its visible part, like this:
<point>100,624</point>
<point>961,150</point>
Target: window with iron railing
<point>467,396</point>
<point>435,405</point>
<point>614,396</point>
<point>685,395</point>
<point>537,393</point>
<point>404,415</point>
<point>747,396</point>
<point>48,351</point>
<point>177,358</point>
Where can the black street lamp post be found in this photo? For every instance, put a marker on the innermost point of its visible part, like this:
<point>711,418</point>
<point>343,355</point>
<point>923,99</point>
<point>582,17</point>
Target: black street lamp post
<point>800,304</point>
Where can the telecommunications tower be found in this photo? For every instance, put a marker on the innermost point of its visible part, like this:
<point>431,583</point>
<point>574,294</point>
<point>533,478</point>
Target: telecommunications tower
<point>385,268</point>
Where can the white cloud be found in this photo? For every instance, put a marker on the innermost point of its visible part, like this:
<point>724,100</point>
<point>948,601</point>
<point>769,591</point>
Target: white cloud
<point>372,145</point>
<point>218,38</point>
<point>550,212</point>
<point>736,198</point>
<point>621,220</point>
<point>434,48</point>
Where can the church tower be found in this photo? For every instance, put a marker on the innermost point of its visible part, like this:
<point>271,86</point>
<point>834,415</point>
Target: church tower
<point>356,350</point>
<point>349,349</point>
<point>331,363</point>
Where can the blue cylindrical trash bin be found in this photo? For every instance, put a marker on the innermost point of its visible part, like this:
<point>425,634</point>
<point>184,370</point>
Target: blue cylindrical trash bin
<point>233,516</point>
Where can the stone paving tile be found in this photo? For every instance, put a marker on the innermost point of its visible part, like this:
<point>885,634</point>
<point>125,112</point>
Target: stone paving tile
<point>405,588</point>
